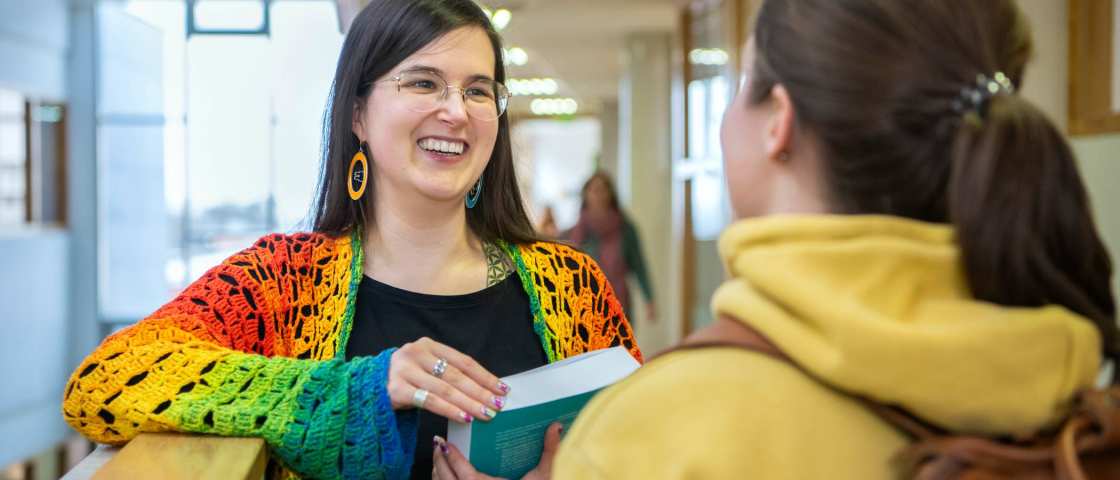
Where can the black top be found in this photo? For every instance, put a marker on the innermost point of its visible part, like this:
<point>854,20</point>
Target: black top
<point>494,326</point>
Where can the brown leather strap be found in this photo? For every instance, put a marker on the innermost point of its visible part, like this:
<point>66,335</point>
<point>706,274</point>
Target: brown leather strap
<point>728,332</point>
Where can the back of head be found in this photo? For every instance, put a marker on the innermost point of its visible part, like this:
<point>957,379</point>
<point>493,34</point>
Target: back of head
<point>879,83</point>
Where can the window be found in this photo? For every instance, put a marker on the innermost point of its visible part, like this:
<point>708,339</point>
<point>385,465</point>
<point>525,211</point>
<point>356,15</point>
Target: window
<point>32,167</point>
<point>14,204</point>
<point>243,103</point>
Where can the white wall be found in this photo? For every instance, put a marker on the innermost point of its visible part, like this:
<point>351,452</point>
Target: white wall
<point>645,178</point>
<point>33,47</point>
<point>34,263</point>
<point>33,370</point>
<point>1046,84</point>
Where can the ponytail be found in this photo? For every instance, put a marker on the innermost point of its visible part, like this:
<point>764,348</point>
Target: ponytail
<point>1023,218</point>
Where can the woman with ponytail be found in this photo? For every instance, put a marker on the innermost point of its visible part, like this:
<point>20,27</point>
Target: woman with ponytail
<point>912,233</point>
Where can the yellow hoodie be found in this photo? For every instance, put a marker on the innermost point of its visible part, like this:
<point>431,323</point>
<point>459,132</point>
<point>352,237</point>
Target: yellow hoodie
<point>872,305</point>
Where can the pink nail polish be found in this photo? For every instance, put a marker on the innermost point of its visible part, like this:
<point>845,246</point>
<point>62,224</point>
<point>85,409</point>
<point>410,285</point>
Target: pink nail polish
<point>443,448</point>
<point>466,418</point>
<point>503,387</point>
<point>499,402</point>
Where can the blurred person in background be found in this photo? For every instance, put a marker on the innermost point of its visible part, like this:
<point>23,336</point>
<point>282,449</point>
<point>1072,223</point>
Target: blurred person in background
<point>547,225</point>
<point>421,283</point>
<point>912,232</point>
<point>606,233</point>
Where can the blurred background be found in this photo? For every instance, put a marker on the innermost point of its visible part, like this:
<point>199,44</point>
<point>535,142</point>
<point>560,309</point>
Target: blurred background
<point>142,141</point>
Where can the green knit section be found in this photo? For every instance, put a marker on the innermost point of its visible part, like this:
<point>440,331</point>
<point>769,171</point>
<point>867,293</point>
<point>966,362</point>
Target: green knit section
<point>526,277</point>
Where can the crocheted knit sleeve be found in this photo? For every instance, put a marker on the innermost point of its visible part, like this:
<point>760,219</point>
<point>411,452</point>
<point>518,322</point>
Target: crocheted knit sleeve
<point>247,350</point>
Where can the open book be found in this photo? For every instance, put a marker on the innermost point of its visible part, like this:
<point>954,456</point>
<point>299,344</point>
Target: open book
<point>510,445</point>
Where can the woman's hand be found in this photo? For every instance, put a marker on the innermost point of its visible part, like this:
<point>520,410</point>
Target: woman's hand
<point>430,375</point>
<point>452,465</point>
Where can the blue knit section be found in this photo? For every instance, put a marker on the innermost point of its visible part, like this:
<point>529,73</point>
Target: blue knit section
<point>397,430</point>
<point>361,452</point>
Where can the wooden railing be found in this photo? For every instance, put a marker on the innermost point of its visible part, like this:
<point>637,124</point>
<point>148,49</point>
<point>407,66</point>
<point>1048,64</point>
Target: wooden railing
<point>175,456</point>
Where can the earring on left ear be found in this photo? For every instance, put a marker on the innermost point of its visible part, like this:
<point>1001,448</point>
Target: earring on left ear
<point>356,178</point>
<point>474,194</point>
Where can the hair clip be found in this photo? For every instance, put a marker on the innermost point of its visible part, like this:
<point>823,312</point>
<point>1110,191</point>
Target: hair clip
<point>975,98</point>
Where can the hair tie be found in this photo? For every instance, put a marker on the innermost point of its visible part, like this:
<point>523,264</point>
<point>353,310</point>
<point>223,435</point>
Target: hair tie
<point>975,98</point>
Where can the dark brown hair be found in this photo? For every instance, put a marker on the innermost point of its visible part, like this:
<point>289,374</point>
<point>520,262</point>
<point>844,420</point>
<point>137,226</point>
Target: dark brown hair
<point>612,194</point>
<point>381,37</point>
<point>875,82</point>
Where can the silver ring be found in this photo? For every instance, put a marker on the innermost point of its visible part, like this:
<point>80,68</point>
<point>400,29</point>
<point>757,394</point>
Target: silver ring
<point>439,368</point>
<point>419,397</point>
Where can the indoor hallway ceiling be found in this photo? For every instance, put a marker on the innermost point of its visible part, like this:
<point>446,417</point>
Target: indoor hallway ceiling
<point>580,43</point>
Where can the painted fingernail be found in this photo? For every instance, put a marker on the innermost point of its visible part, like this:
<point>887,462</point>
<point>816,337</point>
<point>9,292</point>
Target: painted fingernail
<point>441,443</point>
<point>488,412</point>
<point>466,418</point>
<point>499,402</point>
<point>503,387</point>
<point>435,441</point>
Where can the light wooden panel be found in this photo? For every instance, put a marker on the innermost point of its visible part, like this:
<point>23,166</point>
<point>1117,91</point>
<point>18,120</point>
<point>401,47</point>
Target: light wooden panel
<point>1091,58</point>
<point>178,456</point>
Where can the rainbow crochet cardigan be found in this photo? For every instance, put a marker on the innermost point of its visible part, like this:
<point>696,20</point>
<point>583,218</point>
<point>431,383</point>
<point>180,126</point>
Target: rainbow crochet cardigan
<point>255,347</point>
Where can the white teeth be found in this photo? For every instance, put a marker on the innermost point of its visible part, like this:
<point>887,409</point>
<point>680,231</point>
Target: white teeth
<point>442,146</point>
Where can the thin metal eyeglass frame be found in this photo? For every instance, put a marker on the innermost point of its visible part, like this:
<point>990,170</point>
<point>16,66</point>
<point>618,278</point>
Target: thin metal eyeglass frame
<point>502,102</point>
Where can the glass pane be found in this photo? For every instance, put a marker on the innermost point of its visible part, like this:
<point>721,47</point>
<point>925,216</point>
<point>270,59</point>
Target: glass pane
<point>717,103</point>
<point>230,171</point>
<point>229,15</point>
<point>132,220</point>
<point>13,141</point>
<point>304,49</point>
<point>697,103</point>
<point>11,104</point>
<point>133,225</point>
<point>169,16</point>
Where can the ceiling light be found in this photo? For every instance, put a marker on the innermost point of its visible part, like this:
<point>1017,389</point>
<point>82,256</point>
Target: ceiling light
<point>515,56</point>
<point>708,56</point>
<point>501,18</point>
<point>554,106</point>
<point>532,86</point>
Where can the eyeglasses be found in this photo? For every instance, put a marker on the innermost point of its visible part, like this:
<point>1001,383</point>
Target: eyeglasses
<point>424,91</point>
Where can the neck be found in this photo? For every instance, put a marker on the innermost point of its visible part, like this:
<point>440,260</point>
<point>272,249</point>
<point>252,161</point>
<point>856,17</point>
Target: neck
<point>799,189</point>
<point>423,247</point>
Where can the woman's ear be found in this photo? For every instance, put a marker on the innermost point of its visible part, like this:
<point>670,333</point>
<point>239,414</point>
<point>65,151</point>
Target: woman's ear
<point>779,132</point>
<point>357,121</point>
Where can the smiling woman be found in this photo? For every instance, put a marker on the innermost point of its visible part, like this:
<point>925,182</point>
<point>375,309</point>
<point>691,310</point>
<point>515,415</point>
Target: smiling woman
<point>421,284</point>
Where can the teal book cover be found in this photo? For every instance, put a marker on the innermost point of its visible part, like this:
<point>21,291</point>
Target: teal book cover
<point>510,445</point>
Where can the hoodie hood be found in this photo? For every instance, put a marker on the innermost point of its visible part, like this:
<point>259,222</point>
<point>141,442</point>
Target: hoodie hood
<point>879,306</point>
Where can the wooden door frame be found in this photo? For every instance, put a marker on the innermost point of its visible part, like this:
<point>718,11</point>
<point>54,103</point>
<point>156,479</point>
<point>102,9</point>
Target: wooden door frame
<point>1091,58</point>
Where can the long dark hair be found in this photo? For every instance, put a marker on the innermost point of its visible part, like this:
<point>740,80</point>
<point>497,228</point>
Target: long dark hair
<point>380,37</point>
<point>875,81</point>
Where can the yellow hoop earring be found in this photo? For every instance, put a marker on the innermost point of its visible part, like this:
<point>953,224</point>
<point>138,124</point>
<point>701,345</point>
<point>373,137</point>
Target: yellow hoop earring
<point>356,178</point>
